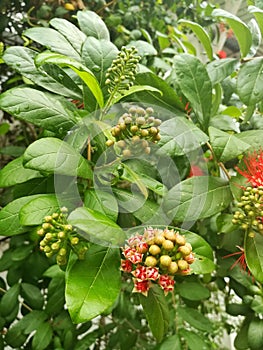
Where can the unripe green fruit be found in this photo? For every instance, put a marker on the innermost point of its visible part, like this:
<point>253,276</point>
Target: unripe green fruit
<point>74,240</point>
<point>140,120</point>
<point>49,254</point>
<point>180,240</point>
<point>123,126</point>
<point>182,264</point>
<point>61,235</point>
<point>165,260</point>
<point>46,226</point>
<point>154,249</point>
<point>157,137</point>
<point>48,236</point>
<point>159,238</point>
<point>62,251</point>
<point>47,249</point>
<point>126,153</point>
<point>55,246</point>
<point>170,235</point>
<point>48,218</point>
<point>109,143</point>
<point>150,261</point>
<point>135,139</point>
<point>144,133</point>
<point>149,110</point>
<point>121,143</point>
<point>134,129</point>
<point>184,250</point>
<point>173,267</point>
<point>68,227</point>
<point>157,122</point>
<point>128,120</point>
<point>168,245</point>
<point>153,130</point>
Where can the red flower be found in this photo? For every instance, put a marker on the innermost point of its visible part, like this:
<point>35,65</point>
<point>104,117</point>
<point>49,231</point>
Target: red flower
<point>195,171</point>
<point>126,265</point>
<point>253,170</point>
<point>221,54</point>
<point>241,261</point>
<point>141,286</point>
<point>167,283</point>
<point>140,273</point>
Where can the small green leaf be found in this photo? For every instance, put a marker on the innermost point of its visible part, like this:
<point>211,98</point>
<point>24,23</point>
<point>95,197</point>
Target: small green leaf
<point>53,155</point>
<point>93,284</point>
<point>194,81</point>
<point>92,25</point>
<point>218,70</point>
<point>240,29</point>
<point>255,333</point>
<point>9,300</point>
<point>226,146</point>
<point>42,337</point>
<point>96,226</point>
<point>35,210</point>
<point>194,341</point>
<point>201,34</point>
<point>14,173</point>
<point>193,291</point>
<point>132,90</point>
<point>171,343</point>
<point>254,255</point>
<point>144,48</point>
<point>103,202</point>
<point>135,178</point>
<point>179,136</point>
<point>196,198</point>
<point>32,295</point>
<point>156,311</point>
<point>252,137</point>
<point>241,340</point>
<point>195,319</point>
<point>15,336</point>
<point>83,72</point>
<point>258,13</point>
<point>250,80</point>
<point>202,265</point>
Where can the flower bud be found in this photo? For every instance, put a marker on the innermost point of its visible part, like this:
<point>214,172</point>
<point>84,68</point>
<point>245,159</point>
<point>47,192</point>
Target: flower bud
<point>184,250</point>
<point>165,260</point>
<point>154,249</point>
<point>109,143</point>
<point>182,264</point>
<point>168,245</point>
<point>173,268</point>
<point>74,240</point>
<point>151,261</point>
<point>180,240</point>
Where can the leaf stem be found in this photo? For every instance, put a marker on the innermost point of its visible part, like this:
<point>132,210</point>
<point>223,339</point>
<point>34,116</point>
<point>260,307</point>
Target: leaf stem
<point>220,164</point>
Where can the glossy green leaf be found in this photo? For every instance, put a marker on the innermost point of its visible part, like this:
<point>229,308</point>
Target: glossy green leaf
<point>21,59</point>
<point>9,301</point>
<point>195,319</point>
<point>43,109</point>
<point>32,321</point>
<point>98,56</point>
<point>9,217</point>
<point>218,70</point>
<point>52,155</point>
<point>156,310</point>
<point>93,284</point>
<point>192,291</point>
<point>240,29</point>
<point>195,84</point>
<point>202,265</point>
<point>252,137</point>
<point>258,13</point>
<point>72,33</point>
<point>180,136</point>
<point>226,146</point>
<point>255,333</point>
<point>83,72</point>
<point>32,295</point>
<point>133,90</point>
<point>250,80</point>
<point>103,202</point>
<point>92,25</point>
<point>201,34</point>
<point>33,212</point>
<point>254,255</point>
<point>194,341</point>
<point>43,336</point>
<point>96,226</point>
<point>135,178</point>
<point>168,99</point>
<point>199,244</point>
<point>52,40</point>
<point>197,198</point>
<point>15,336</point>
<point>241,340</point>
<point>171,343</point>
<point>256,37</point>
<point>14,173</point>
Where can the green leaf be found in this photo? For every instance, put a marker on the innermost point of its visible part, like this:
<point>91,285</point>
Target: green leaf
<point>73,35</point>
<point>218,70</point>
<point>9,300</point>
<point>241,340</point>
<point>193,291</point>
<point>96,226</point>
<point>32,295</point>
<point>42,337</point>
<point>199,245</point>
<point>144,48</point>
<point>14,173</point>
<point>52,40</point>
<point>194,341</point>
<point>43,109</point>
<point>168,100</point>
<point>258,13</point>
<point>226,146</point>
<point>240,29</point>
<point>135,178</point>
<point>52,155</point>
<point>93,284</point>
<point>83,72</point>
<point>9,217</point>
<point>202,265</point>
<point>21,59</point>
<point>252,137</point>
<point>194,81</point>
<point>180,136</point>
<point>92,25</point>
<point>250,80</point>
<point>156,311</point>
<point>171,343</point>
<point>254,255</point>
<point>98,56</point>
<point>195,319</point>
<point>103,202</point>
<point>201,34</point>
<point>197,198</point>
<point>32,321</point>
<point>132,90</point>
<point>15,336</point>
<point>33,212</point>
<point>255,333</point>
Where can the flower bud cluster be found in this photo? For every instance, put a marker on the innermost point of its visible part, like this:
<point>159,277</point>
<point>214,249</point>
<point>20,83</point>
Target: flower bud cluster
<point>250,213</point>
<point>135,132</point>
<point>156,257</point>
<point>58,238</point>
<point>121,74</point>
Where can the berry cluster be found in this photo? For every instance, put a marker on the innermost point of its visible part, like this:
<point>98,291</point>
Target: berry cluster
<point>121,75</point>
<point>156,257</point>
<point>59,238</point>
<point>250,214</point>
<point>135,132</point>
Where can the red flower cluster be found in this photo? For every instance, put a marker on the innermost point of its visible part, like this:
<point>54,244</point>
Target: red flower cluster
<point>155,257</point>
<point>253,169</point>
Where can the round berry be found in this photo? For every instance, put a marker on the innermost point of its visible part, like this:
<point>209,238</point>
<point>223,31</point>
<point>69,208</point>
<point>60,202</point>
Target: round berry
<point>182,264</point>
<point>165,260</point>
<point>173,268</point>
<point>168,245</point>
<point>150,261</point>
<point>155,249</point>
